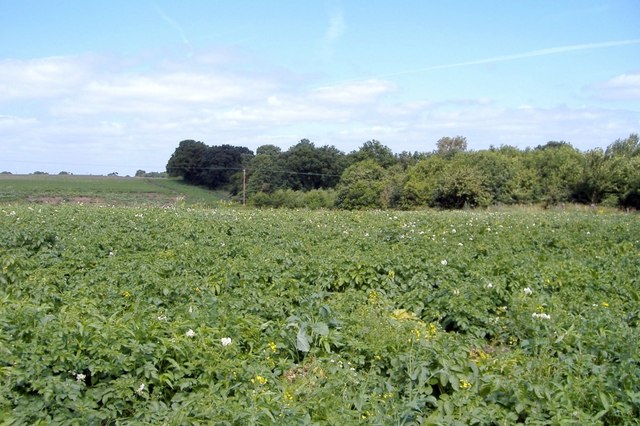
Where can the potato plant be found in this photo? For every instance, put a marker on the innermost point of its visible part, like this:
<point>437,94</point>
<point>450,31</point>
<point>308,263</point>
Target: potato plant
<point>147,315</point>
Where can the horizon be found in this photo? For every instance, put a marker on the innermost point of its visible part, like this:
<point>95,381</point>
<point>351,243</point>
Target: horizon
<point>96,88</point>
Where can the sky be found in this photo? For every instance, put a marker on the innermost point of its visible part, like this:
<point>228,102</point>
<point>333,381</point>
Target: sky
<point>95,87</point>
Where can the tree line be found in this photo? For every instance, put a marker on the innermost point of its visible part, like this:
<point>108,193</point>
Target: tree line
<point>451,176</point>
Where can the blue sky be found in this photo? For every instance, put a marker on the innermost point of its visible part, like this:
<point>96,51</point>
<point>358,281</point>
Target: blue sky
<point>96,87</point>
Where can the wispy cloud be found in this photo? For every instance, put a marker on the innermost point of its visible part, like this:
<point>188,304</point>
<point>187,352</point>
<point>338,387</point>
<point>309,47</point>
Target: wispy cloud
<point>176,26</point>
<point>336,27</point>
<point>524,55</point>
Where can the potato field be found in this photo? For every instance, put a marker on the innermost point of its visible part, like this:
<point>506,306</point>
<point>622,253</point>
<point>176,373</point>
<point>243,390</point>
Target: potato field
<point>184,315</point>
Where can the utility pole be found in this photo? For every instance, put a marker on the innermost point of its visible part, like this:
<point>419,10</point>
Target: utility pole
<point>244,187</point>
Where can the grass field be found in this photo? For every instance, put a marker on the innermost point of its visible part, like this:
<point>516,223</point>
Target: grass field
<point>56,189</point>
<point>134,314</point>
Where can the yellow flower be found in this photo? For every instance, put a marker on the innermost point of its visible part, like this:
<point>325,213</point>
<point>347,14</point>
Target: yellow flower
<point>259,380</point>
<point>605,304</point>
<point>126,294</point>
<point>432,329</point>
<point>272,346</point>
<point>464,384</point>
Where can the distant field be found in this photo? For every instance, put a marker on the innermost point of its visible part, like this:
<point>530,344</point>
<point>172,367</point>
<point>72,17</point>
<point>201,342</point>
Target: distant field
<point>102,190</point>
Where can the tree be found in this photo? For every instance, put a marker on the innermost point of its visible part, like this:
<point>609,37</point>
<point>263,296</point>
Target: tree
<point>559,167</point>
<point>629,147</point>
<point>267,170</point>
<point>361,186</point>
<point>374,150</point>
<point>220,163</point>
<point>507,178</point>
<point>422,180</point>
<point>213,166</point>
<point>448,182</point>
<point>448,145</point>
<point>313,168</point>
<point>186,161</point>
<point>459,187</point>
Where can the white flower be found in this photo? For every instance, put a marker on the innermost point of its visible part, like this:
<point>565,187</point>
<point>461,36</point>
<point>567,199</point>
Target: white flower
<point>444,262</point>
<point>190,333</point>
<point>528,291</point>
<point>162,318</point>
<point>80,377</point>
<point>489,285</point>
<point>541,316</point>
<point>226,341</point>
<point>140,390</point>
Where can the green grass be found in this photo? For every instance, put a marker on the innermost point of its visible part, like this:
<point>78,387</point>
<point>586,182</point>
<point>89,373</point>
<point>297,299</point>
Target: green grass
<point>103,190</point>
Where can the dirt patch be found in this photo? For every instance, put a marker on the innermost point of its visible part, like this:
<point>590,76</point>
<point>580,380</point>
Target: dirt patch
<point>41,199</point>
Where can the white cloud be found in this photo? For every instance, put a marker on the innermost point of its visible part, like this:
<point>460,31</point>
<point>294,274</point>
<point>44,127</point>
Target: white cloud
<point>174,93</point>
<point>111,115</point>
<point>40,78</point>
<point>625,87</point>
<point>359,92</point>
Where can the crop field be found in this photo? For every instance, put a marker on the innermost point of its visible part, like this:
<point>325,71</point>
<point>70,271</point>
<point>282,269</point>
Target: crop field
<point>61,189</point>
<point>188,315</point>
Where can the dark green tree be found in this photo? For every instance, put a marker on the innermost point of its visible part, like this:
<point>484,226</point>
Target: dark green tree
<point>213,166</point>
<point>559,167</point>
<point>267,172</point>
<point>361,186</point>
<point>187,161</point>
<point>313,168</point>
<point>376,151</point>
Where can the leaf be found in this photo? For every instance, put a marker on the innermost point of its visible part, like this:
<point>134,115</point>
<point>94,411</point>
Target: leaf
<point>302,341</point>
<point>605,401</point>
<point>320,328</point>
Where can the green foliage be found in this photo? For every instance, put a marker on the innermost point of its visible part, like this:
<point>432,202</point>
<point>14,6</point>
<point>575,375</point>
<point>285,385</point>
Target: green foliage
<point>127,315</point>
<point>376,151</point>
<point>211,166</point>
<point>313,168</point>
<point>451,177</point>
<point>361,186</point>
<point>267,171</point>
<point>452,183</point>
<point>287,198</point>
<point>450,145</point>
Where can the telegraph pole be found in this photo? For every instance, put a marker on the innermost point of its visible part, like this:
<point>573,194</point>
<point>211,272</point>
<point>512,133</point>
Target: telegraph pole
<point>244,187</point>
